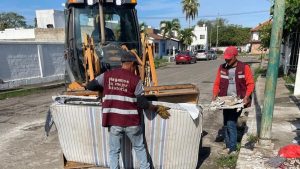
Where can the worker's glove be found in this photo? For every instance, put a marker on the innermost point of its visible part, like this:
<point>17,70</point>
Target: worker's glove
<point>163,111</point>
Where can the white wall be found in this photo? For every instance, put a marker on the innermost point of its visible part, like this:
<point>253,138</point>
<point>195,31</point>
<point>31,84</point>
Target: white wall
<point>59,19</point>
<point>24,63</point>
<point>17,33</point>
<point>54,17</point>
<point>200,31</point>
<point>297,82</point>
<point>255,36</point>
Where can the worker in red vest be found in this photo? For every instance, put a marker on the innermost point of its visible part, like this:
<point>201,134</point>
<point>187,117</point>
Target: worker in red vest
<point>122,104</point>
<point>233,77</point>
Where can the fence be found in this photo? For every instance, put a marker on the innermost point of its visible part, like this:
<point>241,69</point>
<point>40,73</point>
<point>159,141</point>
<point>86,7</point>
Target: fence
<point>25,63</point>
<point>291,53</point>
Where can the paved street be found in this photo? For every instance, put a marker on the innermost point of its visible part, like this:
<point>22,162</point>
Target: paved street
<point>24,145</point>
<point>202,74</point>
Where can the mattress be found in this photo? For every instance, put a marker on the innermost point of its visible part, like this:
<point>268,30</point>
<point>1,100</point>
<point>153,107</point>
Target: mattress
<point>171,143</point>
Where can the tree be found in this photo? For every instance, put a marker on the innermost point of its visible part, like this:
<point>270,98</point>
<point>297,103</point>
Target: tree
<point>229,34</point>
<point>265,35</point>
<point>291,22</point>
<point>212,23</point>
<point>11,20</point>
<point>168,28</point>
<point>190,8</point>
<point>292,16</point>
<point>186,36</point>
<point>143,27</point>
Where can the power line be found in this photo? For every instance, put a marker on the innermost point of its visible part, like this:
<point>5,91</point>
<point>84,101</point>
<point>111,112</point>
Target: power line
<point>205,16</point>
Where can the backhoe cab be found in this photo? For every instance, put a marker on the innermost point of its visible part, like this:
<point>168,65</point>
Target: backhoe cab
<point>96,30</point>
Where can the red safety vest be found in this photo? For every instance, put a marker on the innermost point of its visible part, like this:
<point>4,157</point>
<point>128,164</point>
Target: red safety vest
<point>119,104</point>
<point>239,80</point>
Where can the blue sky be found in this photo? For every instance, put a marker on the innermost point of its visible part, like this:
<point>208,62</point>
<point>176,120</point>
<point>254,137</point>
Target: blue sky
<point>153,11</point>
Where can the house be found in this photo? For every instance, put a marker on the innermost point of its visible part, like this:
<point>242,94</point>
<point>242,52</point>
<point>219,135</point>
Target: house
<point>255,40</point>
<point>33,56</point>
<point>162,46</point>
<point>201,39</point>
<point>50,18</point>
<point>50,28</point>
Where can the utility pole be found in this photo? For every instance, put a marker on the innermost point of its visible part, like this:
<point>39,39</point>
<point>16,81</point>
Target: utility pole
<point>217,41</point>
<point>210,37</point>
<point>272,73</point>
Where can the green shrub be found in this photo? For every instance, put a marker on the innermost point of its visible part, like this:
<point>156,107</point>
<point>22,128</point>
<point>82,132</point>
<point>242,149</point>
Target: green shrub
<point>252,138</point>
<point>290,82</point>
<point>259,71</point>
<point>160,62</point>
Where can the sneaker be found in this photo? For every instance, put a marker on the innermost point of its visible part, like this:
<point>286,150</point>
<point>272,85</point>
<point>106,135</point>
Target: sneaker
<point>232,152</point>
<point>225,151</point>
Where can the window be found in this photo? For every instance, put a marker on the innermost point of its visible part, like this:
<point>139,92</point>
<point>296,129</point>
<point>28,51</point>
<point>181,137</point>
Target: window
<point>119,25</point>
<point>202,36</point>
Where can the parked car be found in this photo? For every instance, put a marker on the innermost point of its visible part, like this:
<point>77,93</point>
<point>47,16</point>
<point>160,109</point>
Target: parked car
<point>202,55</point>
<point>185,57</point>
<point>212,54</point>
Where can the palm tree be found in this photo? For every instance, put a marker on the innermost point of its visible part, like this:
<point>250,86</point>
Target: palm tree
<point>186,37</point>
<point>190,8</point>
<point>143,26</point>
<point>168,28</point>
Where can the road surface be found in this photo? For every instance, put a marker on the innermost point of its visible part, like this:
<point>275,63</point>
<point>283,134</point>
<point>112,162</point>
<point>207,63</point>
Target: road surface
<point>23,144</point>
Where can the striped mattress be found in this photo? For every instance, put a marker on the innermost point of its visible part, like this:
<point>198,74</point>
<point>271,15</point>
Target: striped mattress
<point>172,143</point>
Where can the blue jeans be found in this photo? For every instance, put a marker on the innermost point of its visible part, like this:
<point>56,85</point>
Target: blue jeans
<point>230,117</point>
<point>135,135</point>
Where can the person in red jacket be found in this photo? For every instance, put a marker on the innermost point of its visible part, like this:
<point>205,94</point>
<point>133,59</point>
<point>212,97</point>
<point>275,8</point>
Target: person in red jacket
<point>122,104</point>
<point>233,77</point>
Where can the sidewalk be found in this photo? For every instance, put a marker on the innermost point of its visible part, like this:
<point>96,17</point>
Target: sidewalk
<point>286,123</point>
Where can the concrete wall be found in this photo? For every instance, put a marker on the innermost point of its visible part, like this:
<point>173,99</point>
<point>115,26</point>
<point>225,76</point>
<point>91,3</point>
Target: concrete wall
<point>50,35</point>
<point>38,34</point>
<point>255,48</point>
<point>24,63</point>
<point>18,33</point>
<point>223,48</point>
<point>297,81</point>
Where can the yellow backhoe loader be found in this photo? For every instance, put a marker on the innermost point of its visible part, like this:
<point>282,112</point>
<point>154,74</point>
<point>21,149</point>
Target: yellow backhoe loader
<point>96,31</point>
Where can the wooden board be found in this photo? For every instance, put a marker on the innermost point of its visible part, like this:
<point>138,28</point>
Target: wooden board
<point>76,165</point>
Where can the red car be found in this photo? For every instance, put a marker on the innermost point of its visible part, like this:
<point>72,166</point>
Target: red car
<point>185,57</point>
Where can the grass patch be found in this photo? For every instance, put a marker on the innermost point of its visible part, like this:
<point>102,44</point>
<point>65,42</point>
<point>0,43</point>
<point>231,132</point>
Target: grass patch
<point>160,62</point>
<point>20,92</point>
<point>259,71</point>
<point>252,138</point>
<point>289,79</point>
<point>290,82</point>
<point>27,90</point>
<point>227,161</point>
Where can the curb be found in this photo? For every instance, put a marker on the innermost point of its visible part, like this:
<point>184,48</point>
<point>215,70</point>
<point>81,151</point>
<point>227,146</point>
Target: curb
<point>252,155</point>
<point>244,160</point>
<point>10,93</point>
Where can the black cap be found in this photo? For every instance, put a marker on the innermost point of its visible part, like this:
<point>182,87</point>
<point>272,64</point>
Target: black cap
<point>127,56</point>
